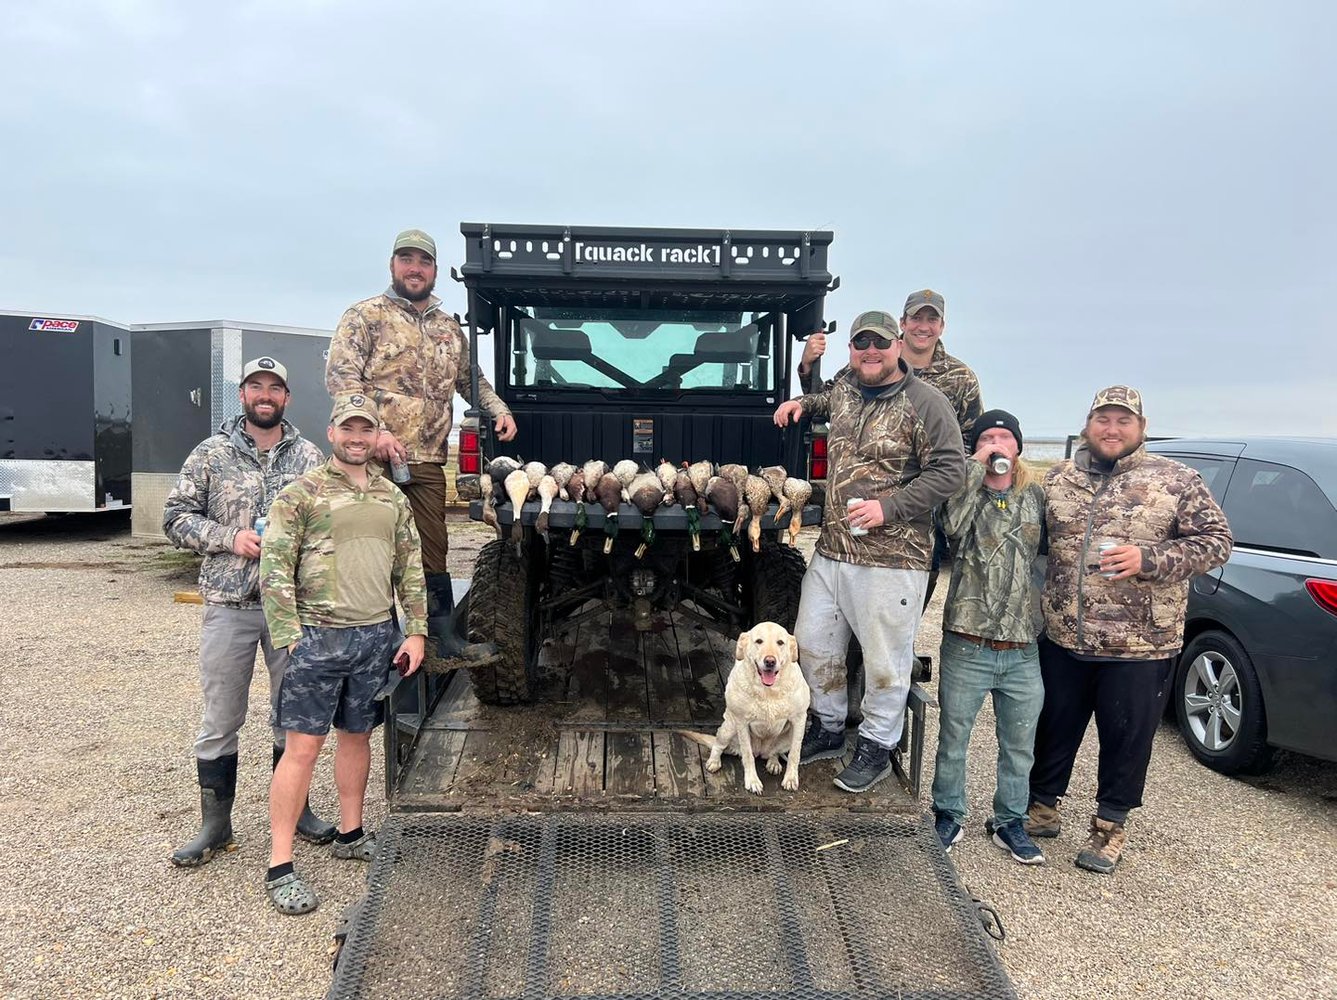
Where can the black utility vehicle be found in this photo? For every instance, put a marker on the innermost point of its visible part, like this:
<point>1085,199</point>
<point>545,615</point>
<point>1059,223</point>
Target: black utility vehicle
<point>642,345</point>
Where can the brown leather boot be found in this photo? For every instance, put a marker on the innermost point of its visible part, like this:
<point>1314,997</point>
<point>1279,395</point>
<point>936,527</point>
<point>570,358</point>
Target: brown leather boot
<point>1042,820</point>
<point>1104,847</point>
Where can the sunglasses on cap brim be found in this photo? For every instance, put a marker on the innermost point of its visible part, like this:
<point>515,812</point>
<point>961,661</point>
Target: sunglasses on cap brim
<point>861,340</point>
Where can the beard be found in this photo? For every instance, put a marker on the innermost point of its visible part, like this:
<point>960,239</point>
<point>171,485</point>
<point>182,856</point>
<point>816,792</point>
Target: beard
<point>342,454</point>
<point>1120,451</point>
<point>882,376</point>
<point>264,423</point>
<point>402,290</point>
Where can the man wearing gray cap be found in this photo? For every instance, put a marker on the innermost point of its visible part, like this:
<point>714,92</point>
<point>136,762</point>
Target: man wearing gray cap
<point>217,509</point>
<point>411,357</point>
<point>1127,531</point>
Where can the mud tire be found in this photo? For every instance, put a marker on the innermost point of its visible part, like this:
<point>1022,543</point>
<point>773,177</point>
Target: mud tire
<point>776,584</point>
<point>503,609</point>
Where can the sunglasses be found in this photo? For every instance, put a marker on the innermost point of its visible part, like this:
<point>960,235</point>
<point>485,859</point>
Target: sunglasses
<point>863,338</point>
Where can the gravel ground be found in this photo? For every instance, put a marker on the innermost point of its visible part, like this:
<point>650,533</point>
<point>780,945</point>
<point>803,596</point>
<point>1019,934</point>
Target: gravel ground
<point>1227,887</point>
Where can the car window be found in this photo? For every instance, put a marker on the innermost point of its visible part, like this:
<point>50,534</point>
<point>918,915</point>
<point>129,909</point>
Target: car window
<point>1215,472</point>
<point>1277,507</point>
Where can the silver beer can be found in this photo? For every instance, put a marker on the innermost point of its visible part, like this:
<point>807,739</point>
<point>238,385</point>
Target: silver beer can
<point>1101,549</point>
<point>1000,465</point>
<point>850,504</point>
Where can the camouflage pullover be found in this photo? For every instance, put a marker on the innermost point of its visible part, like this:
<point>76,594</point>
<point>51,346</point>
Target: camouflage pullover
<point>299,559</point>
<point>903,447</point>
<point>1147,500</point>
<point>992,594</point>
<point>949,375</point>
<point>221,490</point>
<point>412,364</point>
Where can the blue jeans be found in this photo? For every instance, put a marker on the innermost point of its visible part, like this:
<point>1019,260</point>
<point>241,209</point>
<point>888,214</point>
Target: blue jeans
<point>967,672</point>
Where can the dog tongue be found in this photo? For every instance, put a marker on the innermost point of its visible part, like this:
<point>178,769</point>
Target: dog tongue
<point>768,676</point>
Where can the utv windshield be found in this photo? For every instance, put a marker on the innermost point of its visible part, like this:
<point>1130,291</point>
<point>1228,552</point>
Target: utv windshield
<point>615,349</point>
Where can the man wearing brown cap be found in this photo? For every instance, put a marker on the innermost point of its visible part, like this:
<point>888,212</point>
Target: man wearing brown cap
<point>411,357</point>
<point>217,509</point>
<point>895,453</point>
<point>1127,530</point>
<point>340,546</point>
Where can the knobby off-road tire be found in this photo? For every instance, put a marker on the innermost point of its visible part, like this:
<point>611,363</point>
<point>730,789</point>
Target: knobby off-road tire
<point>777,582</point>
<point>502,610</point>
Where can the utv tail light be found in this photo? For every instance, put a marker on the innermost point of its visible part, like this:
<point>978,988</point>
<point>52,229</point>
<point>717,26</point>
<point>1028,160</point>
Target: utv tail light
<point>1324,593</point>
<point>817,458</point>
<point>471,462</point>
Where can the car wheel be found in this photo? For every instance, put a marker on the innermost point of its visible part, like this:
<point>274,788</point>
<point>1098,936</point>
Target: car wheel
<point>1219,706</point>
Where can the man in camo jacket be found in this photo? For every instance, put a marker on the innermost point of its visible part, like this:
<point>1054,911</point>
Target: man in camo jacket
<point>1127,531</point>
<point>895,453</point>
<point>224,489</point>
<point>411,357</point>
<point>339,547</point>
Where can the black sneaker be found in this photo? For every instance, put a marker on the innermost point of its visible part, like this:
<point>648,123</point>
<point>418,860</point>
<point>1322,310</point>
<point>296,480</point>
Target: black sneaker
<point>1012,838</point>
<point>820,743</point>
<point>871,763</point>
<point>948,830</point>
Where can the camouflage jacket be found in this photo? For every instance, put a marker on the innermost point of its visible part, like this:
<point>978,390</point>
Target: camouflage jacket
<point>949,375</point>
<point>992,593</point>
<point>412,364</point>
<point>1150,501</point>
<point>903,447</point>
<point>221,490</point>
<point>299,561</point>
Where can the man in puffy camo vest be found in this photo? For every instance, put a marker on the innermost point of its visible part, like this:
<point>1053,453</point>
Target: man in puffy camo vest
<point>223,490</point>
<point>1127,530</point>
<point>895,453</point>
<point>411,357</point>
<point>340,546</point>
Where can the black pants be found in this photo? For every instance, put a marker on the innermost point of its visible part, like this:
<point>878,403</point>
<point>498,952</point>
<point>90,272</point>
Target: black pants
<point>1128,700</point>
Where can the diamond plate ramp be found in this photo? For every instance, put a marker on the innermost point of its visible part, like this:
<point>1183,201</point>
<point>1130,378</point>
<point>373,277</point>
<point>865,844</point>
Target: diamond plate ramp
<point>717,906</point>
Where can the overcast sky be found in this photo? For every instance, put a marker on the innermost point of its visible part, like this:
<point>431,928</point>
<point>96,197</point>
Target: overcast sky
<point>1136,192</point>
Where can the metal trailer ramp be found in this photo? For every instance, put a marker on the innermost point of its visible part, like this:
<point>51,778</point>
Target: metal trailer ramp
<point>819,905</point>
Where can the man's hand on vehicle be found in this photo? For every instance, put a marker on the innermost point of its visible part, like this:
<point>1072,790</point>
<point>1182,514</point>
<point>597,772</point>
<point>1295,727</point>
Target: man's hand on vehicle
<point>388,448</point>
<point>813,348</point>
<point>788,412</point>
<point>246,544</point>
<point>415,648</point>
<point>505,427</point>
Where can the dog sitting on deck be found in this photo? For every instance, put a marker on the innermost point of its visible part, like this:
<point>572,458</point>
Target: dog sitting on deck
<point>765,707</point>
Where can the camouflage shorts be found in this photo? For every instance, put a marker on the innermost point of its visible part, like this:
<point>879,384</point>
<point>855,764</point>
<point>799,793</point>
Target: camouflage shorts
<point>332,679</point>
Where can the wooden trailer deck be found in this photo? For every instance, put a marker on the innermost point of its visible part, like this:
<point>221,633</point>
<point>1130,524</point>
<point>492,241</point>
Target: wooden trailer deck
<point>601,734</point>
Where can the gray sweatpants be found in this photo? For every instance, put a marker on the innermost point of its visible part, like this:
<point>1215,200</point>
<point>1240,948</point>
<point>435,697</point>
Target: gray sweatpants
<point>228,639</point>
<point>881,607</point>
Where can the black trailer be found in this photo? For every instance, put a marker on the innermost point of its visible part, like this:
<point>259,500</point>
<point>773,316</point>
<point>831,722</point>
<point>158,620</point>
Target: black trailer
<point>65,413</point>
<point>185,385</point>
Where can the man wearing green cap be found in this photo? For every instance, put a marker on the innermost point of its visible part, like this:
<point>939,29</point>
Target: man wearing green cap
<point>411,357</point>
<point>895,453</point>
<point>1127,531</point>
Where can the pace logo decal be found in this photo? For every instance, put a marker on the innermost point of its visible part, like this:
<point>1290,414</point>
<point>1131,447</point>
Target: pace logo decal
<point>54,325</point>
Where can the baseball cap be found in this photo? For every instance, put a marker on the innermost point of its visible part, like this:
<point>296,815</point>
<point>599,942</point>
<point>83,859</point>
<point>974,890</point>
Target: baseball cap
<point>925,297</point>
<point>877,321</point>
<point>990,419</point>
<point>1118,395</point>
<point>355,405</point>
<point>415,239</point>
<point>264,364</point>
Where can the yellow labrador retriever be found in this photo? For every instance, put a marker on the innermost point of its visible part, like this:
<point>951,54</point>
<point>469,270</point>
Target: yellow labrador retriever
<point>765,707</point>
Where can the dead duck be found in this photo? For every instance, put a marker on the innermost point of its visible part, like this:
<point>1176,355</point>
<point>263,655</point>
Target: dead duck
<point>735,473</point>
<point>626,470</point>
<point>575,490</point>
<point>667,472</point>
<point>796,493</point>
<point>547,490</point>
<point>722,495</point>
<point>594,470</point>
<point>493,488</point>
<point>535,471</point>
<point>562,473</point>
<point>700,473</point>
<point>517,489</point>
<point>609,494</point>
<point>775,476</point>
<point>685,493</point>
<point>646,493</point>
<point>757,492</point>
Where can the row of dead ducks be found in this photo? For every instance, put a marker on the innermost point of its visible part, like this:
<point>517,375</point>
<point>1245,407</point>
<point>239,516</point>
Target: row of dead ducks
<point>736,495</point>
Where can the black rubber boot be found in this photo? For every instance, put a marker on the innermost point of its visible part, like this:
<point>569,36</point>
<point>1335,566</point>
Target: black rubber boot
<point>218,787</point>
<point>440,595</point>
<point>310,827</point>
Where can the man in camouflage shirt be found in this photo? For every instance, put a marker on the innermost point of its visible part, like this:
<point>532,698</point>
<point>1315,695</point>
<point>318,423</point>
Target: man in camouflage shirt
<point>895,453</point>
<point>1127,531</point>
<point>224,490</point>
<point>411,357</point>
<point>989,624</point>
<point>339,547</point>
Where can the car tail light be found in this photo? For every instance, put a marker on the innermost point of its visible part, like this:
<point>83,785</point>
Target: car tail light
<point>470,460</point>
<point>817,458</point>
<point>1324,593</point>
